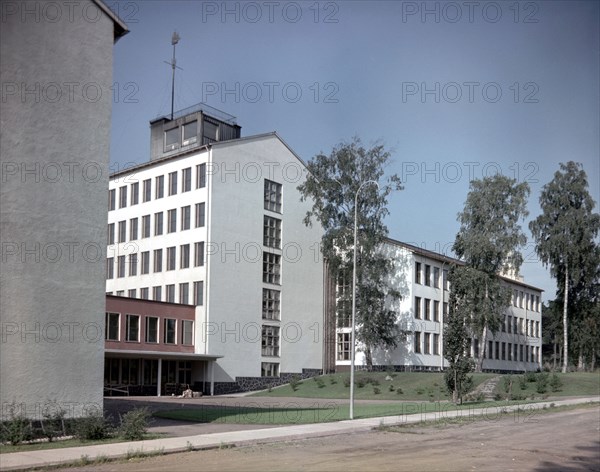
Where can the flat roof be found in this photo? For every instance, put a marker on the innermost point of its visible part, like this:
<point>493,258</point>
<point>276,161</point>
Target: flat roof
<point>187,356</point>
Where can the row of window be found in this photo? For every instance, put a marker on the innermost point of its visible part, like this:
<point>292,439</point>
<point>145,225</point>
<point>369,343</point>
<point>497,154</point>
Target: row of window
<point>425,308</point>
<point>187,134</point>
<point>197,295</point>
<point>128,265</point>
<point>526,300</point>
<point>131,194</point>
<point>504,351</point>
<point>153,330</point>
<point>426,276</point>
<point>145,372</point>
<point>430,343</point>
<point>136,232</point>
<point>516,325</point>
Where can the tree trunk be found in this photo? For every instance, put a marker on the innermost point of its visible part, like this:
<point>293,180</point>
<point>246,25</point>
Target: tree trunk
<point>455,392</point>
<point>565,327</point>
<point>554,355</point>
<point>580,363</point>
<point>593,361</point>
<point>369,358</point>
<point>483,350</point>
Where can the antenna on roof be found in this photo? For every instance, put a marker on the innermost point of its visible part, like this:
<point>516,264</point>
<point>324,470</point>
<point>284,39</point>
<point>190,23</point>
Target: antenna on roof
<point>174,40</point>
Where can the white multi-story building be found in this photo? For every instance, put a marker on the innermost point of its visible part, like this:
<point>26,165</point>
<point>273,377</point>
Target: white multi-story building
<point>215,220</point>
<point>421,278</point>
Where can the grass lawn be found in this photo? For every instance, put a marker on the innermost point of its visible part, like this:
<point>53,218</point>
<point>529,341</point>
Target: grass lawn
<point>406,386</point>
<point>320,412</point>
<point>573,384</point>
<point>38,446</point>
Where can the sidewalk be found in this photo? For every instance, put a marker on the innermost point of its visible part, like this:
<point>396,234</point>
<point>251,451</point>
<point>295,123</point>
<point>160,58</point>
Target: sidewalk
<point>26,460</point>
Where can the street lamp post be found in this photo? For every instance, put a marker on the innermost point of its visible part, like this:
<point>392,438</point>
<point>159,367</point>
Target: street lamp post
<point>353,335</point>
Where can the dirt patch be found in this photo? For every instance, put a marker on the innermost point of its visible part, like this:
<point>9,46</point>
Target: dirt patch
<point>560,441</point>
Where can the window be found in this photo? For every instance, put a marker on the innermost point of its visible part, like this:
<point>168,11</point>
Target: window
<point>272,232</point>
<point>515,356</point>
<point>270,304</point>
<point>436,344</point>
<point>111,234</point>
<point>521,299</point>
<point>199,254</point>
<point>343,347</point>
<point>158,223</point>
<point>476,348</point>
<point>133,229</point>
<point>135,193</point>
<point>200,213</point>
<point>427,275</point>
<point>158,260</point>
<point>184,256</point>
<point>145,262</point>
<point>509,352</point>
<point>515,297</point>
<point>172,221</point>
<point>120,293</point>
<point>184,293</point>
<point>272,196</point>
<point>427,309</point>
<point>417,272</point>
<point>112,199</point>
<point>122,231</point>
<point>503,327</point>
<point>170,293</point>
<point>537,303</point>
<point>187,332</point>
<point>503,351</point>
<point>509,324</point>
<point>190,133</point>
<point>199,293</point>
<point>445,307</point>
<point>172,183</point>
<point>344,300</point>
<point>151,329</point>
<point>537,329</point>
<point>169,330</point>
<point>445,282</point>
<point>490,352</point>
<point>497,351</point>
<point>132,264</point>
<point>427,343</point>
<point>146,226</point>
<point>436,277</point>
<point>157,293</point>
<point>111,329</point>
<point>123,196</point>
<point>201,176</point>
<point>147,190</point>
<point>110,267</point>
<point>186,180</point>
<point>144,293</point>
<point>171,139</point>
<point>515,321</point>
<point>418,308</point>
<point>271,268</point>
<point>211,132</point>
<point>185,217</point>
<point>121,267</point>
<point>436,310</point>
<point>132,293</point>
<point>417,342</point>
<point>132,328</point>
<point>171,258</point>
<point>270,341</point>
<point>520,353</point>
<point>160,186</point>
<point>269,369</point>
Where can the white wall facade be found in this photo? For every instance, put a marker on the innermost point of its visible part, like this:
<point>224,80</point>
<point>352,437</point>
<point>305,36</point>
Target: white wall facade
<point>56,75</point>
<point>229,319</point>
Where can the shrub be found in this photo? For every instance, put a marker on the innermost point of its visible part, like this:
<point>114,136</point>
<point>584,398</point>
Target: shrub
<point>391,388</point>
<point>360,383</point>
<point>376,390</point>
<point>320,383</point>
<point>399,391</point>
<point>347,382</point>
<point>522,382</point>
<point>17,428</point>
<point>295,382</point>
<point>555,383</point>
<point>541,382</point>
<point>507,382</point>
<point>420,391</point>
<point>333,381</point>
<point>92,428</point>
<point>530,376</point>
<point>53,424</point>
<point>134,424</point>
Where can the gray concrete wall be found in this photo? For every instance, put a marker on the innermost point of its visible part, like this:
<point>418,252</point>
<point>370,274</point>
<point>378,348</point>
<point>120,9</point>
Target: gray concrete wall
<point>56,73</point>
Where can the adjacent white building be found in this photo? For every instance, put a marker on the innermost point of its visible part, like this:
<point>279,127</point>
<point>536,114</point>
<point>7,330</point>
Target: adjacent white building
<point>215,220</point>
<point>421,278</point>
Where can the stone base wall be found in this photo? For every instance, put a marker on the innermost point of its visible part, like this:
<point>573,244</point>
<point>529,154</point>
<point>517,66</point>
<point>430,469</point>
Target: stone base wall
<point>250,384</point>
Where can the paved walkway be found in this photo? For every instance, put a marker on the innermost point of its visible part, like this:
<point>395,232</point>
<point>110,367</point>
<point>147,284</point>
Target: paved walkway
<point>25,460</point>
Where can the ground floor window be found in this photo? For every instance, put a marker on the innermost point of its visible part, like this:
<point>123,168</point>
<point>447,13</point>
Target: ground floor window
<point>269,369</point>
<point>270,341</point>
<point>343,346</point>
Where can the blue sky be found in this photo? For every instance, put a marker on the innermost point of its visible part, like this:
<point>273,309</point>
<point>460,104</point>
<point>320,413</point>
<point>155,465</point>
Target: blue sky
<point>456,90</point>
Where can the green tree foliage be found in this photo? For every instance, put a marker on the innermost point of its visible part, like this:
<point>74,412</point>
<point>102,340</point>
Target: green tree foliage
<point>331,186</point>
<point>457,340</point>
<point>489,242</point>
<point>565,235</point>
<point>552,332</point>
